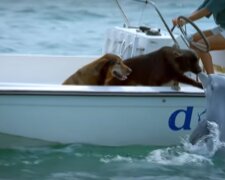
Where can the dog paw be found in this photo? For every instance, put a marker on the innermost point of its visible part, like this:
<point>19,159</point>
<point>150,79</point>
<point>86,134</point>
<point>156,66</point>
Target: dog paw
<point>175,87</point>
<point>200,85</point>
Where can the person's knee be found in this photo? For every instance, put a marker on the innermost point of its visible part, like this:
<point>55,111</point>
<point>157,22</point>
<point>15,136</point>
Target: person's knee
<point>196,37</point>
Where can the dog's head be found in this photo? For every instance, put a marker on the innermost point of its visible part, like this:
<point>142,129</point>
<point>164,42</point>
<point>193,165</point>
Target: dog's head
<point>186,59</point>
<point>116,67</point>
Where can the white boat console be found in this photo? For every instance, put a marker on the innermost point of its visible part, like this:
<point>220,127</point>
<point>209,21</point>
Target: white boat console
<point>129,42</point>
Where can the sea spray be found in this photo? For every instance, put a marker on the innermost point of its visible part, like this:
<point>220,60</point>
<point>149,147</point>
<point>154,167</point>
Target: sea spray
<point>177,156</point>
<point>208,145</point>
<point>187,154</point>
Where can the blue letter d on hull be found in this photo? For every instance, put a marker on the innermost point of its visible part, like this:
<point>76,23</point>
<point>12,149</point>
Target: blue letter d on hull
<point>187,121</point>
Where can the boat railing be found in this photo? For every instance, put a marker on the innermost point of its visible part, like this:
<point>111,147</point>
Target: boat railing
<point>127,23</point>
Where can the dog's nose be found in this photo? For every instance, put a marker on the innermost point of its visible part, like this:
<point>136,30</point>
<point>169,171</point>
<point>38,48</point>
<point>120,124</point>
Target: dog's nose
<point>199,70</point>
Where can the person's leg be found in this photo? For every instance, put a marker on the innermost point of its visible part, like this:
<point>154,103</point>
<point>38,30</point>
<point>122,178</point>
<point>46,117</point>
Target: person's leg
<point>217,42</point>
<point>196,37</point>
<point>205,57</point>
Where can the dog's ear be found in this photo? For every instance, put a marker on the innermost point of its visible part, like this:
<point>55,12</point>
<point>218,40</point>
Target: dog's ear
<point>101,64</point>
<point>172,53</point>
<point>176,53</point>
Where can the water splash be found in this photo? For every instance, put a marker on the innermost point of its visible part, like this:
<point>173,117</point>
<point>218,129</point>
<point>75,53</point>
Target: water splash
<point>177,156</point>
<point>117,158</point>
<point>208,145</point>
<point>187,154</point>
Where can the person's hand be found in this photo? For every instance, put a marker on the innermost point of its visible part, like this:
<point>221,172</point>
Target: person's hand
<point>177,21</point>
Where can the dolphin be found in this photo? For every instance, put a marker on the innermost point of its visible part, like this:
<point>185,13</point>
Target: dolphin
<point>214,87</point>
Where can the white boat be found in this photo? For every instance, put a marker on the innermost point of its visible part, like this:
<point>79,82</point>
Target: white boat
<point>34,104</point>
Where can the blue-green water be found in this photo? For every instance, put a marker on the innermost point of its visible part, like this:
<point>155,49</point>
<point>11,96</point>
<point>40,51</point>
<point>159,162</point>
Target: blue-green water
<point>68,162</point>
<point>76,27</point>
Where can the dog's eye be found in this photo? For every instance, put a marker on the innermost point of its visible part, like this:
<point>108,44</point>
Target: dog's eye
<point>116,63</point>
<point>112,62</point>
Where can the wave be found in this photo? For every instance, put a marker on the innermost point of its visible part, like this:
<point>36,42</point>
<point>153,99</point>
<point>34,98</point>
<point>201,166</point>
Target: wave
<point>90,14</point>
<point>201,153</point>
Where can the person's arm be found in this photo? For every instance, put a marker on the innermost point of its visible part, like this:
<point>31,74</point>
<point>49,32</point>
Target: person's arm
<point>194,16</point>
<point>199,14</point>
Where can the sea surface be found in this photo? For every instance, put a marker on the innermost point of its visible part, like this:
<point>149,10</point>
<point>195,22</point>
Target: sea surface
<point>77,27</point>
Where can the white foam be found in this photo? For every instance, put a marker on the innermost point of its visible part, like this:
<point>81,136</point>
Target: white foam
<point>207,145</point>
<point>177,157</point>
<point>118,158</point>
<point>187,154</point>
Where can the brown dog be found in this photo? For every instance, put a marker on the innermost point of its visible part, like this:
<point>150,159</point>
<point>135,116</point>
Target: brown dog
<point>96,72</point>
<point>160,67</point>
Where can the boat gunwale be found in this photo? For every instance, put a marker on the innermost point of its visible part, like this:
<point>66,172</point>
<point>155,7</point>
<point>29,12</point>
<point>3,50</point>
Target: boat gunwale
<point>134,91</point>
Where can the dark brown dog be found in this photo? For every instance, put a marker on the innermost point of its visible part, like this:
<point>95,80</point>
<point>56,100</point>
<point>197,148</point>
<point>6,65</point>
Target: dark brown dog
<point>96,72</point>
<point>160,67</point>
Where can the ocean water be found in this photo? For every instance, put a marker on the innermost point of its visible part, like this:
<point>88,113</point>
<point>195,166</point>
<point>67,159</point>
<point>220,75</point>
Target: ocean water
<point>77,27</point>
<point>83,161</point>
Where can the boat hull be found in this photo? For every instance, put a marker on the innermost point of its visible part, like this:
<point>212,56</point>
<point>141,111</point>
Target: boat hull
<point>34,104</point>
<point>119,117</point>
